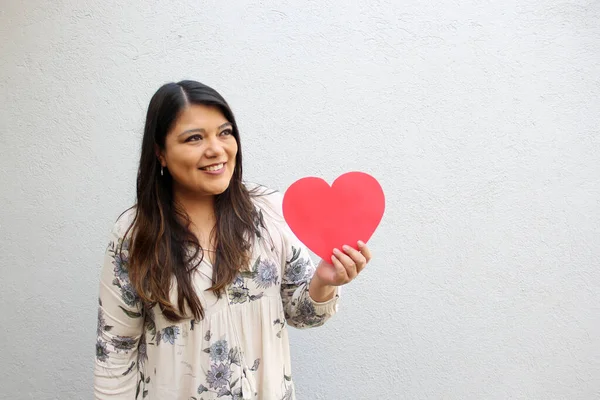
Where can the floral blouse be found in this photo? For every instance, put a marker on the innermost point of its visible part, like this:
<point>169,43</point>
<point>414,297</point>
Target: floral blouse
<point>239,350</point>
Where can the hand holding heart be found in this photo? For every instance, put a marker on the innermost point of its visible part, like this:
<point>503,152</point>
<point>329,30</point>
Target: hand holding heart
<point>345,265</point>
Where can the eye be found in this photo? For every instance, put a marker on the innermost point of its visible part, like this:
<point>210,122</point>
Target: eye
<point>193,138</point>
<point>227,132</point>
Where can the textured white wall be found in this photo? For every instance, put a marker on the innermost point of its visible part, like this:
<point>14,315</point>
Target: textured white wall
<point>481,120</point>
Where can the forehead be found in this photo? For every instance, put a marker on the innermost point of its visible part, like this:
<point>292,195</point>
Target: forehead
<point>200,116</point>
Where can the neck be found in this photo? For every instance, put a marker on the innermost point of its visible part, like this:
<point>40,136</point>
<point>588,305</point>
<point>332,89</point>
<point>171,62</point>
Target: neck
<point>201,211</point>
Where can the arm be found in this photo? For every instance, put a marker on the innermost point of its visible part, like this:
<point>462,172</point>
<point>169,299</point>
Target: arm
<point>300,308</point>
<point>313,299</point>
<point>120,324</point>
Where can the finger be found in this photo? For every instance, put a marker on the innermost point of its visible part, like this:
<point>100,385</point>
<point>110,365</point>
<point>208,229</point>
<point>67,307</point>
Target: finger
<point>340,270</point>
<point>359,259</point>
<point>364,250</point>
<point>347,262</point>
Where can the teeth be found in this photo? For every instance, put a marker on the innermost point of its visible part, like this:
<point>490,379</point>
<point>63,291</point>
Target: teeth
<point>214,167</point>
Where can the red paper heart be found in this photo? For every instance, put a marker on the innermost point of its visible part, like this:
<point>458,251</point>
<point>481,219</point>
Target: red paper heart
<point>325,217</point>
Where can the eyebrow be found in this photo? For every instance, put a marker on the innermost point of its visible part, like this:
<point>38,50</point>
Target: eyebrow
<point>202,130</point>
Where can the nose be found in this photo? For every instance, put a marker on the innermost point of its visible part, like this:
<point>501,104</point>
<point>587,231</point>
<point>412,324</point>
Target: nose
<point>214,148</point>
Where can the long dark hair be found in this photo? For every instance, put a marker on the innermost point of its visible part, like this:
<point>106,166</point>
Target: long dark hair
<point>160,237</point>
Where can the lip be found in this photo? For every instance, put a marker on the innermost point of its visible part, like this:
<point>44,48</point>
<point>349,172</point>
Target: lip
<point>219,172</point>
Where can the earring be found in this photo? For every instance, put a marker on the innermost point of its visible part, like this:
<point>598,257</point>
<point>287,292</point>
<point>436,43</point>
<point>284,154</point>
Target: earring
<point>161,171</point>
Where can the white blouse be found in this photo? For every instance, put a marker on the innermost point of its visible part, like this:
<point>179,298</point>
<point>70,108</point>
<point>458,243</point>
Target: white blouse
<point>239,350</point>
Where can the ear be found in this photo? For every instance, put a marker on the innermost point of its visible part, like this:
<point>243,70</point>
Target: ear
<point>160,155</point>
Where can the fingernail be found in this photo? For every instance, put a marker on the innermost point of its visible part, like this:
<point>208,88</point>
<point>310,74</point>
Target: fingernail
<point>361,243</point>
<point>336,251</point>
<point>346,247</point>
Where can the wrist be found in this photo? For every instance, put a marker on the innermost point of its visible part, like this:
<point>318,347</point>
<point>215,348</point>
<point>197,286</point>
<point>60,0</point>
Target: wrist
<point>319,291</point>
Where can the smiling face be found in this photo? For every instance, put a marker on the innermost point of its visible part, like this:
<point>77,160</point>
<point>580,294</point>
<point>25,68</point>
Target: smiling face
<point>200,151</point>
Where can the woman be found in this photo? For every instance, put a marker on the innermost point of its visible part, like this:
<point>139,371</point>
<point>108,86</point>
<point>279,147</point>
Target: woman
<point>202,275</point>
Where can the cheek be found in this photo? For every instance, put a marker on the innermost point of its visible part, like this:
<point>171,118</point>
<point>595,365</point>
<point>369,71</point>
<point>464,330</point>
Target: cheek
<point>181,158</point>
<point>233,151</point>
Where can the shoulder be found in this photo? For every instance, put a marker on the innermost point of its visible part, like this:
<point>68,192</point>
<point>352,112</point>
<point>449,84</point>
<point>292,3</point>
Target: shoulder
<point>269,204</point>
<point>123,223</point>
<point>266,199</point>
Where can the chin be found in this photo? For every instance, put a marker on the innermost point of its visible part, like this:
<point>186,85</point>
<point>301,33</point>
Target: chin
<point>217,190</point>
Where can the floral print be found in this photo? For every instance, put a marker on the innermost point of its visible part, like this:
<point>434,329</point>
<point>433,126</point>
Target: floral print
<point>123,343</point>
<point>207,355</point>
<point>168,335</point>
<point>299,308</point>
<point>128,294</point>
<point>120,259</point>
<point>297,267</point>
<point>280,324</point>
<point>101,327</point>
<point>107,343</point>
<point>266,275</point>
<point>218,376</point>
<point>219,351</point>
<point>142,351</point>
<point>120,263</point>
<point>220,379</point>
<point>141,386</point>
<point>239,291</point>
<point>101,351</point>
<point>238,295</point>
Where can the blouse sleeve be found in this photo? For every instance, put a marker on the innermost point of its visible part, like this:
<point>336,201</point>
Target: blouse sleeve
<point>120,325</point>
<point>300,310</point>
